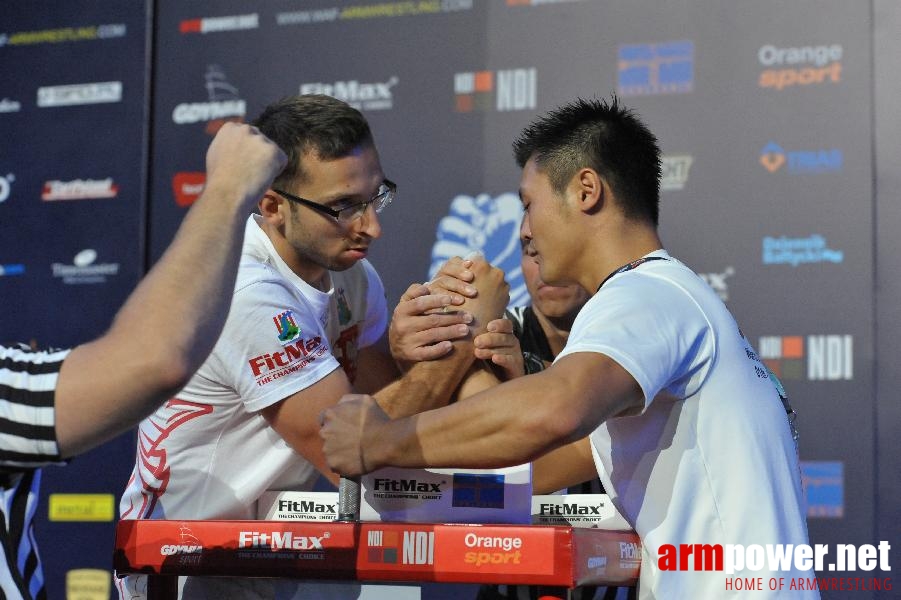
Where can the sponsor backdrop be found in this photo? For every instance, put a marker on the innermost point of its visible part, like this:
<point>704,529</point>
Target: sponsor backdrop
<point>768,116</point>
<point>72,219</point>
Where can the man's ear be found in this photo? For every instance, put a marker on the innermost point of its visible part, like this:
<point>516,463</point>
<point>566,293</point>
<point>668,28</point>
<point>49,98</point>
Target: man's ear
<point>592,190</point>
<point>272,208</point>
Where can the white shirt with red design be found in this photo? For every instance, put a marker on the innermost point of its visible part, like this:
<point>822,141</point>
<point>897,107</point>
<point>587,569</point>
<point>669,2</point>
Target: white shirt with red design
<point>209,453</point>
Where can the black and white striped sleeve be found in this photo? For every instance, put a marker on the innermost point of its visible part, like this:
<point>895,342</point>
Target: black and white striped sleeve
<point>27,414</point>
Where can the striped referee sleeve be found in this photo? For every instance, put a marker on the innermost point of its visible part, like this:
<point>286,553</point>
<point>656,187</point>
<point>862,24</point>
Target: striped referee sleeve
<point>27,417</point>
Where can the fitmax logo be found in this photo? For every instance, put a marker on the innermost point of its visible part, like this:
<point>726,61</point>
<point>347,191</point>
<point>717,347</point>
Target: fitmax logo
<point>382,484</point>
<point>362,96</point>
<point>569,509</point>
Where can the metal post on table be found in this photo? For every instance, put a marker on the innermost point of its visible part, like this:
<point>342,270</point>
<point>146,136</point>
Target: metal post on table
<point>349,499</point>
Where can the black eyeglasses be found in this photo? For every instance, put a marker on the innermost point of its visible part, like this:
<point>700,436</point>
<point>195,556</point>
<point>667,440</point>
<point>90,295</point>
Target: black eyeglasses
<point>348,214</point>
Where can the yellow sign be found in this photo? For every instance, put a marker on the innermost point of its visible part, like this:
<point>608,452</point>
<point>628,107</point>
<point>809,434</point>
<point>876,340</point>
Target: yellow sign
<point>88,584</point>
<point>81,507</point>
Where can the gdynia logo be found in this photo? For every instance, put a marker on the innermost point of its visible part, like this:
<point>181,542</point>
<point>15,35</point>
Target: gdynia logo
<point>799,251</point>
<point>224,103</point>
<point>773,157</point>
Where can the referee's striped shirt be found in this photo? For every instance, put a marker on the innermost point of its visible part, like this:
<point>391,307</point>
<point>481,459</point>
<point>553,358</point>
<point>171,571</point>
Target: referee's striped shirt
<point>27,442</point>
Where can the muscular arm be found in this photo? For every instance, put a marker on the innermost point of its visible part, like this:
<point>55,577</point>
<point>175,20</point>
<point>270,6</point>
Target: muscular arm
<point>566,466</point>
<point>171,321</point>
<point>426,385</point>
<point>510,424</point>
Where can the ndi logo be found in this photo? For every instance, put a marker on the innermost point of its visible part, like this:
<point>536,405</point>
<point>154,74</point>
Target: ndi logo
<point>504,90</point>
<point>798,251</point>
<point>773,157</point>
<point>819,357</point>
<point>489,225</point>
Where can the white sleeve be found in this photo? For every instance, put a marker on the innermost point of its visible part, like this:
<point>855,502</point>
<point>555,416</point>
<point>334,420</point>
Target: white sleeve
<point>652,328</point>
<point>272,345</point>
<point>376,308</point>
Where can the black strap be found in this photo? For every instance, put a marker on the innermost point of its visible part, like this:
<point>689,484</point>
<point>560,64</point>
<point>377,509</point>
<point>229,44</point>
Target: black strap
<point>630,266</point>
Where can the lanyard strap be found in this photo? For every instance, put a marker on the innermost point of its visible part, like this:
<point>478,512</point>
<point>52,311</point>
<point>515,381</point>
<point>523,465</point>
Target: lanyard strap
<point>629,267</point>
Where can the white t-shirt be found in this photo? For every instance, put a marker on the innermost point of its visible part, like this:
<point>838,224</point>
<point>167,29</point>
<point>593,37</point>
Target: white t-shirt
<point>209,453</point>
<point>710,460</point>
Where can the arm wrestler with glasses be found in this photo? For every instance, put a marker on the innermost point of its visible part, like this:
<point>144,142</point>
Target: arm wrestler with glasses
<point>306,326</point>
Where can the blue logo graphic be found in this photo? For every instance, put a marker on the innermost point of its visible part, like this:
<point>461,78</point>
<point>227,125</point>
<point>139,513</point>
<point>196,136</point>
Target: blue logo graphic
<point>773,157</point>
<point>478,490</point>
<point>799,251</point>
<point>12,269</point>
<point>490,226</point>
<point>661,68</point>
<point>824,486</point>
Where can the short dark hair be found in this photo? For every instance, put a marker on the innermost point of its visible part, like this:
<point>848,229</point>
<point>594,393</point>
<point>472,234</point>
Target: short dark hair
<point>603,136</point>
<point>314,123</point>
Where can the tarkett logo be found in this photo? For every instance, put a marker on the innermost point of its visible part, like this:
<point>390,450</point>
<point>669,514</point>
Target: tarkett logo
<point>489,225</point>
<point>187,187</point>
<point>84,269</point>
<point>657,68</point>
<point>9,106</point>
<point>362,96</point>
<point>82,93</point>
<point>217,24</point>
<point>505,90</point>
<point>674,171</point>
<point>814,357</point>
<point>223,105</point>
<point>799,251</point>
<point>824,488</point>
<point>79,189</point>
<point>773,157</point>
<point>804,65</point>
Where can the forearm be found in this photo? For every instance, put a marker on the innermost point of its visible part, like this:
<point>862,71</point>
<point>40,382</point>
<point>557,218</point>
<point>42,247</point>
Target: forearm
<point>510,424</point>
<point>427,385</point>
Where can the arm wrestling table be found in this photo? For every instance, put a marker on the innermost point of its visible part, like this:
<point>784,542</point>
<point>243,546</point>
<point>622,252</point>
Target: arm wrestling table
<point>546,555</point>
